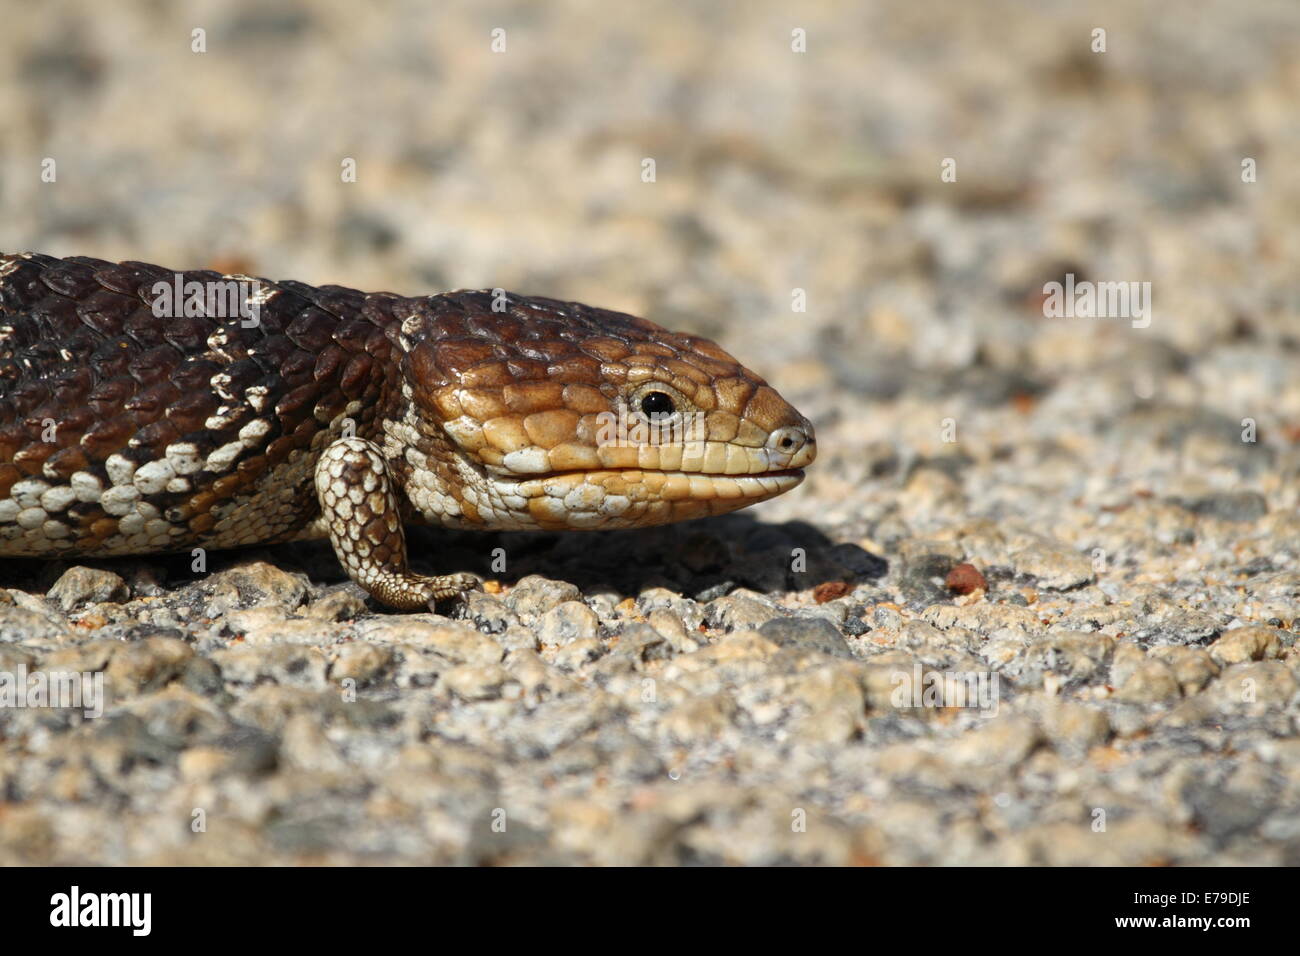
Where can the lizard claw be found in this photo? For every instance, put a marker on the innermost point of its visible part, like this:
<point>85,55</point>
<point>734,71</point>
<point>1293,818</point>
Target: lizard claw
<point>449,586</point>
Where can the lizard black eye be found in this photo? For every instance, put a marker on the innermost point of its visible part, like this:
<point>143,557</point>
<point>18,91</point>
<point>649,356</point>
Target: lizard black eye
<point>657,405</point>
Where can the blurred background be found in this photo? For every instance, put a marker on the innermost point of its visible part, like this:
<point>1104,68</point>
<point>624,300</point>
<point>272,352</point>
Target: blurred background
<point>1136,486</point>
<point>775,171</point>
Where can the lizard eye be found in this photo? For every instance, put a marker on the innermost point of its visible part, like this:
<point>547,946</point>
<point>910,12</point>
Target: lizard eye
<point>657,405</point>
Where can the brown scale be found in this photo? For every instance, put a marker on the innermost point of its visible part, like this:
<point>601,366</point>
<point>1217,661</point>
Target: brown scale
<point>82,346</point>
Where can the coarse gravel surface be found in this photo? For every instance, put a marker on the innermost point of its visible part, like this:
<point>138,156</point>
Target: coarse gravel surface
<point>1037,601</point>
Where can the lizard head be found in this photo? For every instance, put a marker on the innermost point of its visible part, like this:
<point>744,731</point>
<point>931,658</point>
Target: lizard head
<point>551,415</point>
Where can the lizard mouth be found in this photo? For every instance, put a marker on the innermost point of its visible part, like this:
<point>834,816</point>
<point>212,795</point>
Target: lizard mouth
<point>644,484</point>
<point>787,477</point>
<point>634,498</point>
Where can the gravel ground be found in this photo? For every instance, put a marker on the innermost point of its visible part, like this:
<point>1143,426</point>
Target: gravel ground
<point>1093,522</point>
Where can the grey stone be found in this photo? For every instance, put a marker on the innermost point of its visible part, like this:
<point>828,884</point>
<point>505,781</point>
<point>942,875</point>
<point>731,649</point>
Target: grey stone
<point>808,634</point>
<point>80,585</point>
<point>1232,506</point>
<point>567,622</point>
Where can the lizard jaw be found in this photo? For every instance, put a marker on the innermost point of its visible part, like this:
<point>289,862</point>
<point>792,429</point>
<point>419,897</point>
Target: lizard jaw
<point>633,498</point>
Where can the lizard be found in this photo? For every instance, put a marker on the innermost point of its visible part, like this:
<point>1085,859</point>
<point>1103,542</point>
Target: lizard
<point>140,414</point>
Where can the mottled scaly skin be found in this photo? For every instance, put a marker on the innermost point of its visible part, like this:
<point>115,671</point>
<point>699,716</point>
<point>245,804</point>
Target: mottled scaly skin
<point>130,428</point>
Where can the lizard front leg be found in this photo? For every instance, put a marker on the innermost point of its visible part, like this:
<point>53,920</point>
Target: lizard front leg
<point>361,514</point>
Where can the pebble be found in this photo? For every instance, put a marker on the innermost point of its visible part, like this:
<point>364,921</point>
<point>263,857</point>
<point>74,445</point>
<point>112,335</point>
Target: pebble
<point>1073,728</point>
<point>567,622</point>
<point>1247,644</point>
<point>1149,681</point>
<point>807,634</point>
<point>740,610</point>
<point>361,662</point>
<point>252,584</point>
<point>1053,567</point>
<point>1238,506</point>
<point>965,578</point>
<point>534,596</point>
<point>79,586</point>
